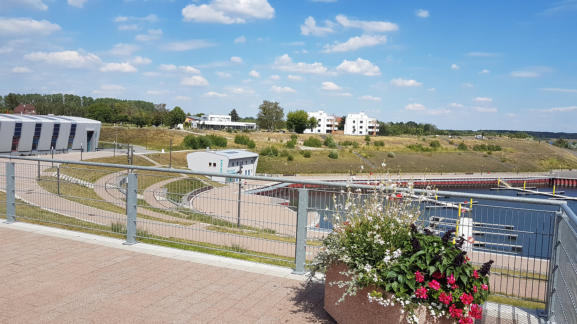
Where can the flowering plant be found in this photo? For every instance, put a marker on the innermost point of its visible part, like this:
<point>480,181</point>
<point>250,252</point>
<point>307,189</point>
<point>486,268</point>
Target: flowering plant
<point>376,237</point>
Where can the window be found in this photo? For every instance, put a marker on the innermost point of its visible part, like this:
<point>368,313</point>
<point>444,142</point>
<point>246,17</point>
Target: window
<point>55,133</point>
<point>36,138</point>
<point>71,137</point>
<point>16,137</point>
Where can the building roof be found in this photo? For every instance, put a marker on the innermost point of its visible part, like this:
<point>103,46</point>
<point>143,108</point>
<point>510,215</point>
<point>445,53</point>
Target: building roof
<point>25,109</point>
<point>231,154</point>
<point>45,118</point>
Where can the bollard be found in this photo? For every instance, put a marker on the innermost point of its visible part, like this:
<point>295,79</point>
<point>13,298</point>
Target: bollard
<point>131,209</point>
<point>301,233</point>
<point>10,194</point>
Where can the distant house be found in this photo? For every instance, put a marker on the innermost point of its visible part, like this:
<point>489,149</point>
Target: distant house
<point>25,109</point>
<point>225,162</point>
<point>361,124</point>
<point>479,136</point>
<point>221,122</point>
<point>326,124</point>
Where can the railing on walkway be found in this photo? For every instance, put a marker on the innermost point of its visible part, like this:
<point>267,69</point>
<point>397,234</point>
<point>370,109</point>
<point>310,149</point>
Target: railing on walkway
<point>283,221</point>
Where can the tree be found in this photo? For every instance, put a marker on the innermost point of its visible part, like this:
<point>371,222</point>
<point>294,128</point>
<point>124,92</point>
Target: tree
<point>234,115</point>
<point>176,116</point>
<point>298,121</point>
<point>270,115</point>
<point>11,101</point>
<point>341,125</point>
<point>100,111</point>
<point>312,123</point>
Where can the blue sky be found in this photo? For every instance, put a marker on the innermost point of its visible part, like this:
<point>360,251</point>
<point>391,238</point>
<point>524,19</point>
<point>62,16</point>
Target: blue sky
<point>457,64</point>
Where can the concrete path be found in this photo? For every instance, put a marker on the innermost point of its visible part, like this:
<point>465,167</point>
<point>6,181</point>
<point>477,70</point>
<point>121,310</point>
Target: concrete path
<point>56,276</point>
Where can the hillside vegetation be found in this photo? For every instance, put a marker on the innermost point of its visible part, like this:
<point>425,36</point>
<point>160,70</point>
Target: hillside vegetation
<point>286,153</point>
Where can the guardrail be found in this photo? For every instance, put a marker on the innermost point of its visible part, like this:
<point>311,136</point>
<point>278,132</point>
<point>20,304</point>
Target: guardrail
<point>532,241</point>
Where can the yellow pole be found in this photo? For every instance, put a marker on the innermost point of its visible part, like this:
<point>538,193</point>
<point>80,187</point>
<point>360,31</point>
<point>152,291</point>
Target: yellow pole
<point>471,203</point>
<point>498,182</point>
<point>524,184</point>
<point>553,189</point>
<point>457,225</point>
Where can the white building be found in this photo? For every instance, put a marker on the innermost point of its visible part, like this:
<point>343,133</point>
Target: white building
<point>361,124</point>
<point>221,122</point>
<point>225,162</point>
<point>326,124</point>
<point>31,134</point>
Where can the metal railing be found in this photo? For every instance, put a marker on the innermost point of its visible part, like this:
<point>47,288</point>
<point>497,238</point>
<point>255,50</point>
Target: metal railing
<point>283,221</point>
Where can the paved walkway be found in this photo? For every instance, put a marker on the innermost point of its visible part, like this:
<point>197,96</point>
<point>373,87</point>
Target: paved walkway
<point>56,276</point>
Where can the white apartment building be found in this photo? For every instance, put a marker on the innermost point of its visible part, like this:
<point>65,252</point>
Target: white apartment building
<point>361,124</point>
<point>221,122</point>
<point>225,162</point>
<point>326,124</point>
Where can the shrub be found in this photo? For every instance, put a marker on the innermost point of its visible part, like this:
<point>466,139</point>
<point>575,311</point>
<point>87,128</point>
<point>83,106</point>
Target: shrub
<point>462,147</point>
<point>330,142</point>
<point>200,142</point>
<point>313,142</point>
<point>367,138</point>
<point>191,141</point>
<point>355,145</point>
<point>379,143</point>
<point>435,144</point>
<point>217,140</point>
<point>334,155</point>
<point>269,151</point>
<point>294,137</point>
<point>244,140</point>
<point>418,148</point>
<point>251,144</point>
<point>284,153</point>
<point>346,143</point>
<point>487,148</point>
<point>290,144</point>
<point>391,155</point>
<point>307,154</point>
<point>290,157</point>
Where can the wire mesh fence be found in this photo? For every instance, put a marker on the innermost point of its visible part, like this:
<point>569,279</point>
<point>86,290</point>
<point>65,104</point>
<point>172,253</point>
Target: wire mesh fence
<point>258,218</point>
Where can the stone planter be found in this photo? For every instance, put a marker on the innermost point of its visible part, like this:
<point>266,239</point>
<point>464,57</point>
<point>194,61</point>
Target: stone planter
<point>358,309</point>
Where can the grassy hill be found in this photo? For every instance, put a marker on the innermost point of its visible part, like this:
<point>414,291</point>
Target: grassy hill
<point>398,153</point>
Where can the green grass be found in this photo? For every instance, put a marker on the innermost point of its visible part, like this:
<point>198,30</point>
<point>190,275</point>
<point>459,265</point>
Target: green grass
<point>177,189</point>
<point>92,173</point>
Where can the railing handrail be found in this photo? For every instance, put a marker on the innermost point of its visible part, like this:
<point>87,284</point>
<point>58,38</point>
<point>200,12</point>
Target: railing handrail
<point>295,181</point>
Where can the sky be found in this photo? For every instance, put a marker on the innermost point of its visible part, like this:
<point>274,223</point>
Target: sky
<point>456,64</point>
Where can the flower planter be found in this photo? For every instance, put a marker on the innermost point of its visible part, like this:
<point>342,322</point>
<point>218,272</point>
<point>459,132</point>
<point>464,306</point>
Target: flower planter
<point>358,308</point>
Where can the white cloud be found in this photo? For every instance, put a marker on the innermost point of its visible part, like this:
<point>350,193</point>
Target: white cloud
<point>436,112</point>
<point>215,94</point>
<point>367,26</point>
<point>415,107</point>
<point>467,85</point>
<point>330,86</point>
<point>194,81</point>
<point>189,69</point>
<point>109,90</point>
<point>152,18</point>
<point>455,67</point>
<point>482,99</point>
<point>26,27</point>
<point>370,98</point>
<point>124,67</point>
<point>294,77</point>
<point>559,90</point>
<point>524,74</point>
<point>167,67</point>
<point>151,34</point>
<point>285,63</point>
<point>228,11</point>
<point>484,71</point>
<point>235,59</point>
<point>139,60</point>
<point>241,91</point>
<point>275,77</point>
<point>128,27</point>
<point>76,3</point>
<point>182,98</point>
<point>561,109</point>
<point>223,75</point>
<point>188,45</point>
<point>310,28</point>
<point>485,109</point>
<point>354,43</point>
<point>254,74</point>
<point>422,13</point>
<point>240,40</point>
<point>21,69</point>
<point>151,74</point>
<point>399,82</point>
<point>360,66</point>
<point>278,89</point>
<point>32,4</point>
<point>157,92</point>
<point>70,59</point>
<point>456,105</point>
<point>342,94</point>
<point>122,49</point>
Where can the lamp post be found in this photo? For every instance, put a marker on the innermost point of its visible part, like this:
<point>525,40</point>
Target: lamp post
<point>239,197</point>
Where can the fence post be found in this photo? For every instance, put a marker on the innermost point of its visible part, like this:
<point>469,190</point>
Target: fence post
<point>10,194</point>
<point>58,178</point>
<point>38,170</point>
<point>301,233</point>
<point>131,209</point>
<point>552,266</point>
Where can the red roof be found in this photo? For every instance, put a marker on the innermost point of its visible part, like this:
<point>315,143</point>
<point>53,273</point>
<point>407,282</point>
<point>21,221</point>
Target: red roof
<point>25,109</point>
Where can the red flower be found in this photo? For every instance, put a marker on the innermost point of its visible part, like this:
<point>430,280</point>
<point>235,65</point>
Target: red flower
<point>419,277</point>
<point>475,289</point>
<point>446,299</point>
<point>475,274</point>
<point>434,284</point>
<point>437,275</point>
<point>466,320</point>
<point>466,299</point>
<point>484,287</point>
<point>455,312</point>
<point>451,280</point>
<point>421,293</point>
<point>476,311</point>
<point>454,287</point>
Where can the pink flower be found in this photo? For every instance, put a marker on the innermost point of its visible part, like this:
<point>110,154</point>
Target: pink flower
<point>421,292</point>
<point>466,299</point>
<point>454,287</point>
<point>446,299</point>
<point>484,287</point>
<point>451,279</point>
<point>475,289</point>
<point>419,277</point>
<point>455,312</point>
<point>466,320</point>
<point>434,284</point>
<point>475,274</point>
<point>476,311</point>
<point>437,275</point>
